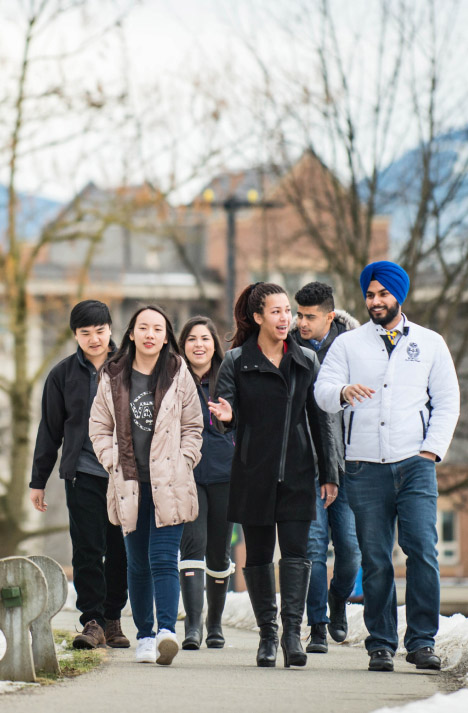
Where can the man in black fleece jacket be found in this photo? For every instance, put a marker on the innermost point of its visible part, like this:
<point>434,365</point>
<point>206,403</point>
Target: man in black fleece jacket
<point>99,560</point>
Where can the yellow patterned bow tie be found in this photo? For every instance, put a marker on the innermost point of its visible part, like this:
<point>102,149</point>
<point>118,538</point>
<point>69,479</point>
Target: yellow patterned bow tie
<point>391,336</point>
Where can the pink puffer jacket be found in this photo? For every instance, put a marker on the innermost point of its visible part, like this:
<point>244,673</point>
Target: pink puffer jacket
<point>175,451</point>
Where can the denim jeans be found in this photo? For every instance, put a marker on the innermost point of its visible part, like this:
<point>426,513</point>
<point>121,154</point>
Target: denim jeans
<point>339,517</point>
<point>153,571</point>
<point>381,495</point>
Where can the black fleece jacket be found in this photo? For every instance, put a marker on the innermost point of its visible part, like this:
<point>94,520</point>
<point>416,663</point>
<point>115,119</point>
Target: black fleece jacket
<point>64,420</point>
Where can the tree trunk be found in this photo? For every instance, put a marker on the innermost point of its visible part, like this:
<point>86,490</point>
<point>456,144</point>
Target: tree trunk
<point>12,514</point>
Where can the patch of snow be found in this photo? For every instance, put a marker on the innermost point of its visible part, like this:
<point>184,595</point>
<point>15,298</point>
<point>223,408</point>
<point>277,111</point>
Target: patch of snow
<point>62,646</point>
<point>451,703</point>
<point>238,611</point>
<point>11,686</point>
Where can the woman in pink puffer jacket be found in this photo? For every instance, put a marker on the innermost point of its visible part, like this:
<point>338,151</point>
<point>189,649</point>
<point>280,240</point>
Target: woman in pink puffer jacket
<point>146,426</point>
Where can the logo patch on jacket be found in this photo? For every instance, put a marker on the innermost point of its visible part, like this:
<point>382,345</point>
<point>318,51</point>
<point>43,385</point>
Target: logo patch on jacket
<point>413,351</point>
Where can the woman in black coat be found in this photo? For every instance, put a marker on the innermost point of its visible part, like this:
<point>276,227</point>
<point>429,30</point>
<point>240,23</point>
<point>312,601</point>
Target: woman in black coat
<point>265,388</point>
<point>206,542</point>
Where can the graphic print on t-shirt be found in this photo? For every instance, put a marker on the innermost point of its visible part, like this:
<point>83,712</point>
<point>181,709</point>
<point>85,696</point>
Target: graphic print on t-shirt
<point>142,409</point>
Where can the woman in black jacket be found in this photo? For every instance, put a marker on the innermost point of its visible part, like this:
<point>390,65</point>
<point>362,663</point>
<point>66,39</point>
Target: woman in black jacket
<point>265,388</point>
<point>209,536</point>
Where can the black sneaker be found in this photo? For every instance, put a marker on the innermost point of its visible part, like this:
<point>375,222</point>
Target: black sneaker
<point>424,658</point>
<point>381,660</point>
<point>338,626</point>
<point>318,640</point>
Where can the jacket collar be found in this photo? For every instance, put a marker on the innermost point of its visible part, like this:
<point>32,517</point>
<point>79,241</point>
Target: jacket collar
<point>332,334</point>
<point>82,359</point>
<point>371,327</point>
<point>251,356</point>
<point>115,368</point>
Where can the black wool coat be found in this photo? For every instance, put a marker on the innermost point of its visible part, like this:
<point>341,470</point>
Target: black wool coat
<point>276,418</point>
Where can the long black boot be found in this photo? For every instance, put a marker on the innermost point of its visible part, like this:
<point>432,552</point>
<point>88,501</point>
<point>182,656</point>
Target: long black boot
<point>294,575</point>
<point>262,592</point>
<point>192,586</point>
<point>216,589</point>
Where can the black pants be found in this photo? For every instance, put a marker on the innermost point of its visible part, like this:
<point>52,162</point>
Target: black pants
<point>99,560</point>
<point>209,536</point>
<point>260,541</point>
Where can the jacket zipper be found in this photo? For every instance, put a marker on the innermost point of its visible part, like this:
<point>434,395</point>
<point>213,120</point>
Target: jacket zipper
<point>423,424</point>
<point>287,422</point>
<point>350,426</point>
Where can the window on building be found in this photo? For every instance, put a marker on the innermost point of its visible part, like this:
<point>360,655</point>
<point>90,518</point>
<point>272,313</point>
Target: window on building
<point>448,539</point>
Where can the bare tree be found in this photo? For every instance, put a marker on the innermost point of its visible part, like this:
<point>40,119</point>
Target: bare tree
<point>44,97</point>
<point>361,111</point>
<point>360,84</point>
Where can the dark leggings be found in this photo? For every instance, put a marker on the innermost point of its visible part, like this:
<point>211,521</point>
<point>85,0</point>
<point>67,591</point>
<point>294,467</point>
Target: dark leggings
<point>260,541</point>
<point>210,534</point>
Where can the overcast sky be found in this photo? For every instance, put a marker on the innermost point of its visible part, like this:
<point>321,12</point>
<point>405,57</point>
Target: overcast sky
<point>164,49</point>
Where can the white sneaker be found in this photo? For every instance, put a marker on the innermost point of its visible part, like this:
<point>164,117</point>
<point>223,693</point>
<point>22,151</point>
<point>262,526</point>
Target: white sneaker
<point>146,650</point>
<point>167,647</point>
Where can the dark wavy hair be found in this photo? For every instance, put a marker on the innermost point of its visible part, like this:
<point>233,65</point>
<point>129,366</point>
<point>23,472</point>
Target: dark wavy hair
<point>250,300</point>
<point>218,355</point>
<point>316,294</point>
<point>168,362</point>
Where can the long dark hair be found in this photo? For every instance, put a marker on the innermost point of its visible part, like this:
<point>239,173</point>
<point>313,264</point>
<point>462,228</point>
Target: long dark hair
<point>168,362</point>
<point>218,355</point>
<point>250,300</point>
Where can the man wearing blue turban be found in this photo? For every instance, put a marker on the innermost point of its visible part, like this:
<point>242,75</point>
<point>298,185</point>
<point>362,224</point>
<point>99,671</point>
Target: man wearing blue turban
<point>397,386</point>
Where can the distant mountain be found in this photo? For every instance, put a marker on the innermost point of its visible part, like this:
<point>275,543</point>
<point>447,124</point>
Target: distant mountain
<point>399,187</point>
<point>34,212</point>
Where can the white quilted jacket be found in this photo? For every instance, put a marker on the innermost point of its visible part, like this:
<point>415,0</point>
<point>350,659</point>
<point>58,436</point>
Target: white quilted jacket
<point>417,400</point>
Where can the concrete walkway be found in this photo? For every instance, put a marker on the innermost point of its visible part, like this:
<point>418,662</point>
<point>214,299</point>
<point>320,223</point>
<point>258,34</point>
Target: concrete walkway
<point>212,681</point>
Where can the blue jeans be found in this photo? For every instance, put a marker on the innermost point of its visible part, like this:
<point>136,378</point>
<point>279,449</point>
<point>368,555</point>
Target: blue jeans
<point>380,495</point>
<point>339,517</point>
<point>153,570</point>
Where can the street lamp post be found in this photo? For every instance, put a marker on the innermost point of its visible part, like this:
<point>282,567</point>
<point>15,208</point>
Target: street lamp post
<point>231,205</point>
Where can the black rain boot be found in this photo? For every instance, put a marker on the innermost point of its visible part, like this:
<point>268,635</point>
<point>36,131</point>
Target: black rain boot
<point>261,586</point>
<point>192,583</point>
<point>216,589</point>
<point>294,575</point>
<point>338,626</point>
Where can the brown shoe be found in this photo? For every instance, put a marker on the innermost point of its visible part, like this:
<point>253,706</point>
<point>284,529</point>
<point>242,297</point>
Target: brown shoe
<point>91,637</point>
<point>114,635</point>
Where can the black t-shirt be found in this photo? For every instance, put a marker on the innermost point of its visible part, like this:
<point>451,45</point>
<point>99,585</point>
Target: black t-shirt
<point>141,416</point>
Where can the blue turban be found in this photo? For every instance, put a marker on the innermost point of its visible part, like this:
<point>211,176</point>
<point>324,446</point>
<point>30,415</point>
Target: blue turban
<point>390,275</point>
